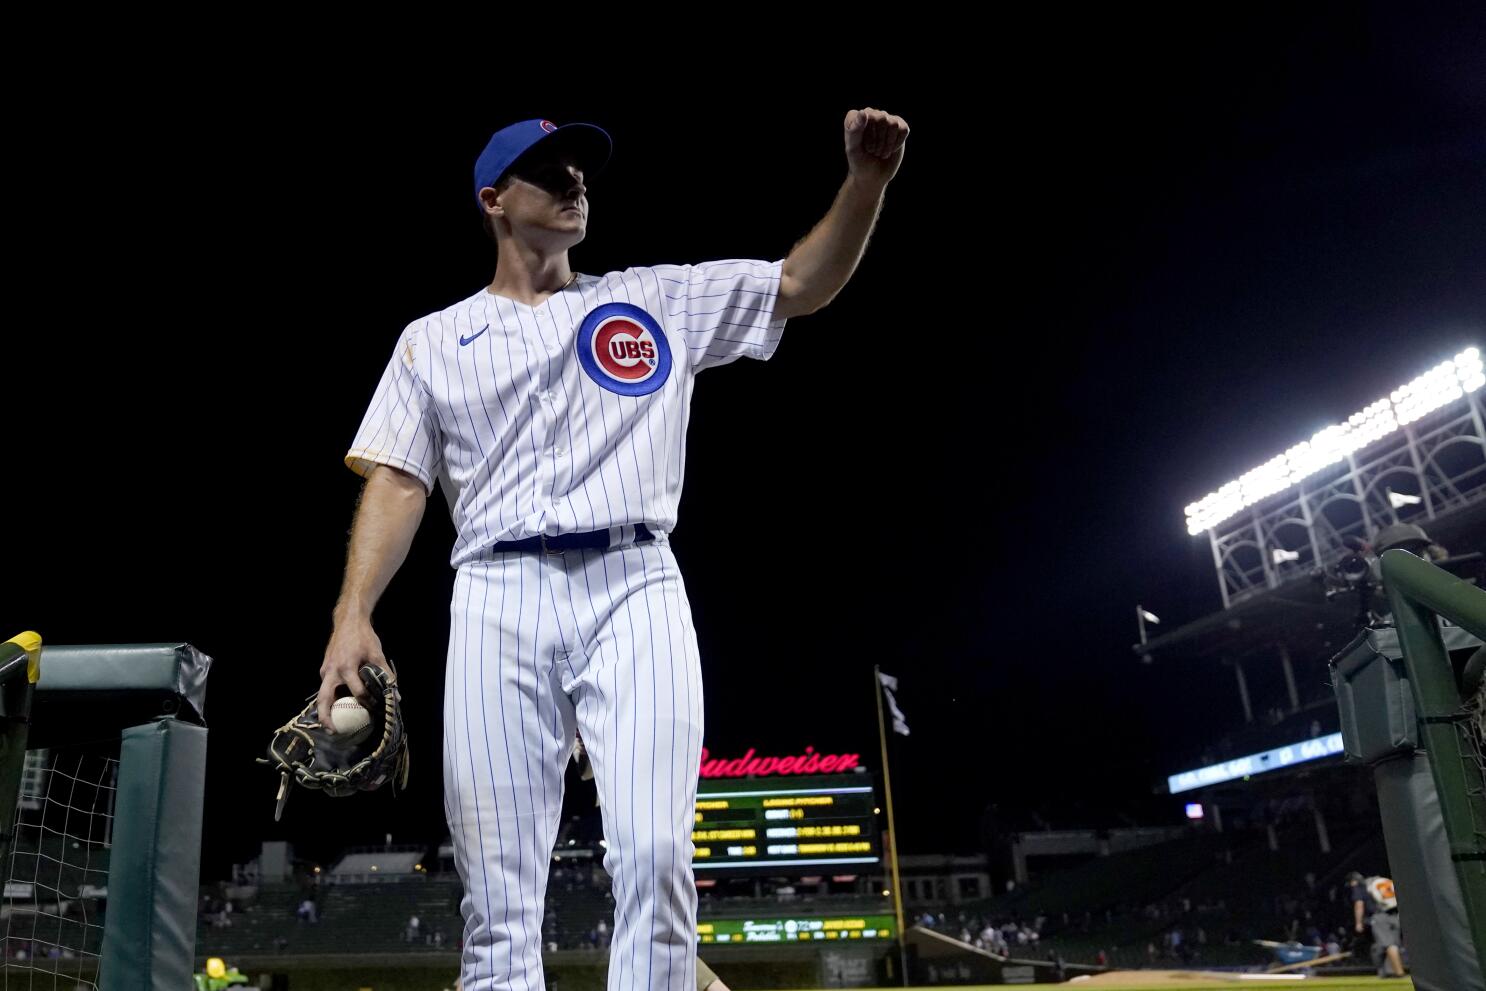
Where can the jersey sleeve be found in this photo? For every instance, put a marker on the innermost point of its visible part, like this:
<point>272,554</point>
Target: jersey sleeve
<point>729,311</point>
<point>400,427</point>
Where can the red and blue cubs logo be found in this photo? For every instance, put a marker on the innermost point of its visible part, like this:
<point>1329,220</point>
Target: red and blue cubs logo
<point>623,349</point>
<point>548,126</point>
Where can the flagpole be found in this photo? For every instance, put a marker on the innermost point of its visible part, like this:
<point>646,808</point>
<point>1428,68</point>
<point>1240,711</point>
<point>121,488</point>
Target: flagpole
<point>892,829</point>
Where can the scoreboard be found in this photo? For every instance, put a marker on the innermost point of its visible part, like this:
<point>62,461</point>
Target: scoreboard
<point>805,928</point>
<point>810,822</point>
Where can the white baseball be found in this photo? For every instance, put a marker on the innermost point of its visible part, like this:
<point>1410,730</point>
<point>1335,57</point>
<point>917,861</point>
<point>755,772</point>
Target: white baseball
<point>350,718</point>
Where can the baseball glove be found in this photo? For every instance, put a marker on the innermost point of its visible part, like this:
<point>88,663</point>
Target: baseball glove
<point>337,763</point>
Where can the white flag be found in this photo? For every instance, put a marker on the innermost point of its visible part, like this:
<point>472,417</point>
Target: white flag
<point>1279,555</point>
<point>1398,500</point>
<point>889,685</point>
<point>1150,617</point>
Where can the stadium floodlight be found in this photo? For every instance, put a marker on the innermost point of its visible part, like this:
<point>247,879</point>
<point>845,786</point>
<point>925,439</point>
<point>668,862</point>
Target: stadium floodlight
<point>1440,386</point>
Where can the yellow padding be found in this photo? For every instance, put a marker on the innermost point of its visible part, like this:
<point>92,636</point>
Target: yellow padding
<point>30,642</point>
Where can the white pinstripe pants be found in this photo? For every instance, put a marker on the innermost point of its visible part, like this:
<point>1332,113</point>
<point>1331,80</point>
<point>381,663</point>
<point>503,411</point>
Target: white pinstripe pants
<point>541,645</point>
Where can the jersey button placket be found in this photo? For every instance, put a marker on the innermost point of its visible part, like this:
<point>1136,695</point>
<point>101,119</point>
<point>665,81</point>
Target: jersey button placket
<point>543,426</point>
<point>549,403</point>
<point>559,452</point>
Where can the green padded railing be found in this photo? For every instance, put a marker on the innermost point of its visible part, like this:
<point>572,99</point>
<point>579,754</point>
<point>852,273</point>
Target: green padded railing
<point>1450,710</point>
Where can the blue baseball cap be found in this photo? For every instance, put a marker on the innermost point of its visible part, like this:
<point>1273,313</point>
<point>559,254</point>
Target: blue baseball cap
<point>589,144</point>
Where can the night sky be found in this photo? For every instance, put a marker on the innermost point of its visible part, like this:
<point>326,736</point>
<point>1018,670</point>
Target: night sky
<point>1124,261</point>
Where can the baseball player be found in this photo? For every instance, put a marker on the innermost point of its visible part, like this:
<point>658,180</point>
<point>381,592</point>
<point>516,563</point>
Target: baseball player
<point>550,407</point>
<point>707,979</point>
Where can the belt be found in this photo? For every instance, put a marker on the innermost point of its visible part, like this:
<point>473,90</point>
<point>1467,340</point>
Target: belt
<point>591,540</point>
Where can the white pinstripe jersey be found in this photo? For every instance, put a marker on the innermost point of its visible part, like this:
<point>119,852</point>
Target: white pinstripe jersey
<point>567,416</point>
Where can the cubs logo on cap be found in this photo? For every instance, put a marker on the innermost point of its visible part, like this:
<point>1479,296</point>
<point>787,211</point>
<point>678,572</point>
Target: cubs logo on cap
<point>624,349</point>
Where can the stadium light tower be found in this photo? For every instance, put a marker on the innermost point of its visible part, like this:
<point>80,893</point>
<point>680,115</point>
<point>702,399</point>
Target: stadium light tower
<point>1409,456</point>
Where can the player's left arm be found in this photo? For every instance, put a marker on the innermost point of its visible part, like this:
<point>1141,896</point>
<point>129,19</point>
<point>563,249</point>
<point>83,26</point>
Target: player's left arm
<point>820,265</point>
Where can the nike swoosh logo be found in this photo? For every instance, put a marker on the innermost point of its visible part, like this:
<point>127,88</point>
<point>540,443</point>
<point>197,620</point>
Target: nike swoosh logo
<point>465,340</point>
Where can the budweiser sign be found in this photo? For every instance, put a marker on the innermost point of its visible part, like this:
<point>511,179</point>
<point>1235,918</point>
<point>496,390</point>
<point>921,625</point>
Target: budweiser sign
<point>752,765</point>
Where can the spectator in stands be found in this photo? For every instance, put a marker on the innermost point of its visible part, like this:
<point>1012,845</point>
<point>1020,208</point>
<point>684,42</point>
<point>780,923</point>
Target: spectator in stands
<point>410,935</point>
<point>307,912</point>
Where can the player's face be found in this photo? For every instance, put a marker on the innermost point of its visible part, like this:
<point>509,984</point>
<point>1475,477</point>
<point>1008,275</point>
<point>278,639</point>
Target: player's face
<point>548,201</point>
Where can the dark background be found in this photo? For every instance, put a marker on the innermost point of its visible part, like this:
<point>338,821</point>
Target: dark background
<point>1126,259</point>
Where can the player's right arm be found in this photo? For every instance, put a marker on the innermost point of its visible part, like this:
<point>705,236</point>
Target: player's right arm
<point>387,517</point>
<point>398,450</point>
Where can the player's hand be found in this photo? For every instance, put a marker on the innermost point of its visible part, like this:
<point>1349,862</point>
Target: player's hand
<point>351,645</point>
<point>1359,927</point>
<point>874,145</point>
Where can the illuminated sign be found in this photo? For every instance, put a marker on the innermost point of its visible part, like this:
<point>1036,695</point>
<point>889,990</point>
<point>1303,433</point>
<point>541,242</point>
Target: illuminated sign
<point>1194,810</point>
<point>1269,760</point>
<point>750,765</point>
<point>1441,385</point>
<point>783,823</point>
<point>795,930</point>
